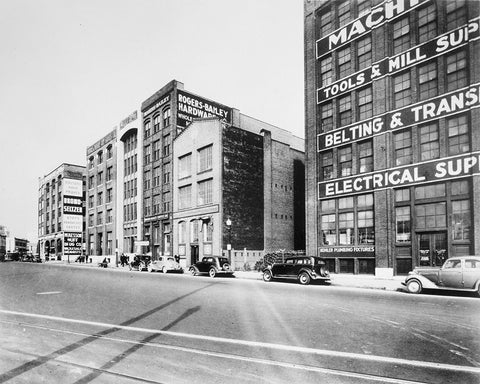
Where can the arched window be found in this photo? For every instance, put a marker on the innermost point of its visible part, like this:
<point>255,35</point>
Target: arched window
<point>156,123</point>
<point>167,113</point>
<point>91,162</point>
<point>194,231</point>
<point>109,152</point>
<point>182,231</point>
<point>148,126</point>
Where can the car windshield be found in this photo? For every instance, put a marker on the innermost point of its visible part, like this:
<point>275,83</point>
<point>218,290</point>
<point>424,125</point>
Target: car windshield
<point>222,260</point>
<point>452,264</point>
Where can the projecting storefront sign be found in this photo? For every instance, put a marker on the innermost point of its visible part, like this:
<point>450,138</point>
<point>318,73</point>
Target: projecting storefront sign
<point>427,172</point>
<point>390,65</point>
<point>379,15</point>
<point>348,251</point>
<point>193,107</point>
<point>72,205</point>
<point>441,106</point>
<point>72,243</point>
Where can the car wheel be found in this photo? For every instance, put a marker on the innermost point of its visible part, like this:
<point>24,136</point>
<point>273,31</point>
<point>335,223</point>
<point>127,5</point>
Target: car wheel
<point>414,286</point>
<point>304,278</point>
<point>212,272</point>
<point>478,288</point>
<point>267,276</point>
<point>193,271</point>
<point>164,269</point>
<point>150,268</point>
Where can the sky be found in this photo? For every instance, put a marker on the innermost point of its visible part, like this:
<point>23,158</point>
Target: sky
<point>70,71</point>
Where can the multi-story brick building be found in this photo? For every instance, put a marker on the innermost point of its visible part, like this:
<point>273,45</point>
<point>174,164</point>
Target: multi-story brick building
<point>234,190</point>
<point>392,137</point>
<point>166,114</point>
<point>61,207</point>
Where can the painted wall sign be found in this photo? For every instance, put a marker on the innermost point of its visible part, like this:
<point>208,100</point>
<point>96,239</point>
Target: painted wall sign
<point>426,172</point>
<point>158,104</point>
<point>128,119</point>
<point>390,65</point>
<point>72,243</point>
<point>191,107</point>
<point>379,15</point>
<point>72,223</point>
<point>72,187</point>
<point>347,251</point>
<point>72,220</point>
<point>72,205</point>
<point>441,106</point>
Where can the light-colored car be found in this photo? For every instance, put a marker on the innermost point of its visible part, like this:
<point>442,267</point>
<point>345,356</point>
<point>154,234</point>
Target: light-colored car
<point>164,264</point>
<point>457,274</point>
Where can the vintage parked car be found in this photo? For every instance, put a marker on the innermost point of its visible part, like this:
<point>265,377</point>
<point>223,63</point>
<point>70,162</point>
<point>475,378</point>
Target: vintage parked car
<point>302,268</point>
<point>140,263</point>
<point>457,273</point>
<point>212,265</point>
<point>164,264</point>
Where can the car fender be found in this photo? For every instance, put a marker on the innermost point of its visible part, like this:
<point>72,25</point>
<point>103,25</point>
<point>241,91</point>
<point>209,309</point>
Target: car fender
<point>309,271</point>
<point>426,283</point>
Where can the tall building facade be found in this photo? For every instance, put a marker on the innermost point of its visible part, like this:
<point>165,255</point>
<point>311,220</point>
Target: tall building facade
<point>61,213</point>
<point>392,137</point>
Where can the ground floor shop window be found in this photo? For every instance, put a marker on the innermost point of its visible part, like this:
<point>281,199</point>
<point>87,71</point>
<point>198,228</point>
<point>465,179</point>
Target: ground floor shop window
<point>404,266</point>
<point>366,266</point>
<point>346,266</point>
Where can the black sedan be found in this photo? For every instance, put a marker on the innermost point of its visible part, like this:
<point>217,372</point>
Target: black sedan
<point>212,265</point>
<point>303,268</point>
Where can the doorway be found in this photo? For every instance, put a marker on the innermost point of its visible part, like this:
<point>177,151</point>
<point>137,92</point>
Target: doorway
<point>193,254</point>
<point>432,249</point>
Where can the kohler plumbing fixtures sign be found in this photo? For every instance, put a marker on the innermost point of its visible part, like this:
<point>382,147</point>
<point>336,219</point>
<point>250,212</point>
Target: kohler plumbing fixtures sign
<point>435,108</point>
<point>72,205</point>
<point>193,107</point>
<point>386,11</point>
<point>390,65</point>
<point>431,171</point>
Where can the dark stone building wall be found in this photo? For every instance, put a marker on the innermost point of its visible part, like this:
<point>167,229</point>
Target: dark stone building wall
<point>243,188</point>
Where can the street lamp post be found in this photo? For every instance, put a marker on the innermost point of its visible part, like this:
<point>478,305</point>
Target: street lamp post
<point>229,245</point>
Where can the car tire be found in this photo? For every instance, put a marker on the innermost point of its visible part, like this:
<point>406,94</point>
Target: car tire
<point>304,278</point>
<point>478,288</point>
<point>164,269</point>
<point>267,276</point>
<point>212,272</point>
<point>414,286</point>
<point>193,271</point>
<point>150,268</point>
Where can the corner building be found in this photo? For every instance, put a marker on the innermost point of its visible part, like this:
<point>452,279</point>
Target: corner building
<point>392,133</point>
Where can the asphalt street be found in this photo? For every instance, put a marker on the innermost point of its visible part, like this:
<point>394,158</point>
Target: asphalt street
<point>61,324</point>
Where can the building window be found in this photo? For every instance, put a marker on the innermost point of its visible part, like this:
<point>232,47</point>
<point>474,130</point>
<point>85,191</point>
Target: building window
<point>329,233</point>
<point>100,198</point>
<point>109,152</point>
<point>427,78</point>
<point>205,192</point>
<point>148,154</point>
<point>185,197</point>
<point>365,155</point>
<point>100,178</point>
<point>344,62</point>
<point>147,180</point>
<point>100,157</point>
<point>345,161</point>
<point>346,228</point>
<point>345,110</point>
<point>429,142</point>
<point>430,216</point>
<point>194,230</point>
<point>156,123</point>
<point>109,243</point>
<point>364,52</point>
<point>366,229</point>
<point>343,13</point>
<point>130,143</point>
<point>326,71</point>
<point>148,127</point>
<point>182,231</point>
<point>430,191</point>
<point>91,183</point>
<point>148,206</point>
<point>109,195</point>
<point>328,205</point>
<point>326,25</point>
<point>458,140</point>
<point>402,142</point>
<point>456,14</point>
<point>157,199</point>
<point>327,117</point>
<point>166,202</point>
<point>364,7</point>
<point>460,188</point>
<point>156,150</point>
<point>167,114</point>
<point>461,219</point>
<point>109,216</point>
<point>205,159</point>
<point>156,177</point>
<point>166,145</point>
<point>427,23</point>
<point>109,173</point>
<point>401,35</point>
<point>327,165</point>
<point>365,201</point>
<point>401,90</point>
<point>91,201</point>
<point>166,173</point>
<point>184,166</point>
<point>345,203</point>
<point>91,163</point>
<point>456,70</point>
<point>402,225</point>
<point>365,103</point>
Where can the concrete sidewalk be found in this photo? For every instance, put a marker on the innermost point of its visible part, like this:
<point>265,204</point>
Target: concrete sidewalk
<point>337,280</point>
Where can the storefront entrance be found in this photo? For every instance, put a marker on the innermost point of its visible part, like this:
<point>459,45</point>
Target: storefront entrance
<point>432,249</point>
<point>193,254</point>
